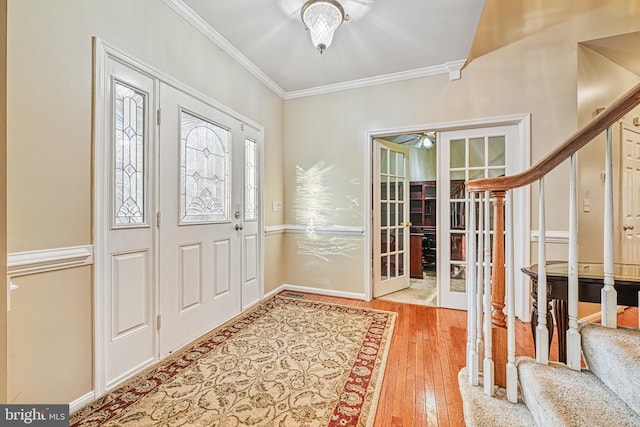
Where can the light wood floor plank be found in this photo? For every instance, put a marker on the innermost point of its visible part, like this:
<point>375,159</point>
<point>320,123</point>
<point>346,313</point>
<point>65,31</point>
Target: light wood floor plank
<point>420,386</point>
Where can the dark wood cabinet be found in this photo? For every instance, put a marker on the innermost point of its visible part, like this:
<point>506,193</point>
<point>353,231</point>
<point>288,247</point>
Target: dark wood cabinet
<point>422,203</point>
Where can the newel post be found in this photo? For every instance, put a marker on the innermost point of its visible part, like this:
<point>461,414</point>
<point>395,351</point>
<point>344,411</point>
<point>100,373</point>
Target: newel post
<point>498,319</point>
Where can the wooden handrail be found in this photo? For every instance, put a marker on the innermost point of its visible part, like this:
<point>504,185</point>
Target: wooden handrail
<point>579,139</point>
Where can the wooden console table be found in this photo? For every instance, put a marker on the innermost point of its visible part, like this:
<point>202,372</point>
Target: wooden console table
<point>590,282</point>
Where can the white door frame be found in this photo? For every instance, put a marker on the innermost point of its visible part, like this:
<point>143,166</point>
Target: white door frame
<point>522,199</point>
<point>103,52</point>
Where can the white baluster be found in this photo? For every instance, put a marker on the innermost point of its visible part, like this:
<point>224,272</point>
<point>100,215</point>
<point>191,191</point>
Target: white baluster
<point>573,335</point>
<point>542,332</point>
<point>480,282</point>
<point>472,353</point>
<point>609,297</point>
<point>489,375</point>
<point>512,371</point>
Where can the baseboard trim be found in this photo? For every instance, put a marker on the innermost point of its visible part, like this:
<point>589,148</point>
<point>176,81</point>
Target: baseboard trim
<point>319,291</point>
<point>81,401</point>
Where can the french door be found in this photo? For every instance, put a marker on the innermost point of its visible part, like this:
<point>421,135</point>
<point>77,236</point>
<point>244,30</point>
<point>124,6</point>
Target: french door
<point>466,155</point>
<point>178,214</point>
<point>391,222</point>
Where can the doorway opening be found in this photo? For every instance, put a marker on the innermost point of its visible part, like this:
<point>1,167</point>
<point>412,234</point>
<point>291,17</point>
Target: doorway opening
<point>421,180</point>
<point>421,220</point>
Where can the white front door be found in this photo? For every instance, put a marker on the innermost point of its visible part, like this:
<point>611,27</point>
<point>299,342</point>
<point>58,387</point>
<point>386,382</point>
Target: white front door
<point>466,155</point>
<point>630,195</point>
<point>200,262</point>
<point>391,218</point>
<point>177,214</point>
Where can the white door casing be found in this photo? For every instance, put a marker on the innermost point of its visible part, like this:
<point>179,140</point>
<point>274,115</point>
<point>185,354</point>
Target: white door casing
<point>630,200</point>
<point>391,222</point>
<point>129,227</point>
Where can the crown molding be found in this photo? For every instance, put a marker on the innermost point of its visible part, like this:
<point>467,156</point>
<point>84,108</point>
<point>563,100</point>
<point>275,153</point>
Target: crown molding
<point>455,69</point>
<point>194,19</point>
<point>452,68</point>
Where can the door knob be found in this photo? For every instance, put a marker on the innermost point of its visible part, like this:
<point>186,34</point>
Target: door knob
<point>408,224</point>
<point>628,227</point>
<point>238,227</point>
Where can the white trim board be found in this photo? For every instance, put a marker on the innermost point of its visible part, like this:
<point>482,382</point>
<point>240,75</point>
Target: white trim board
<point>45,260</point>
<point>312,290</point>
<point>551,236</point>
<point>305,229</point>
<point>81,401</point>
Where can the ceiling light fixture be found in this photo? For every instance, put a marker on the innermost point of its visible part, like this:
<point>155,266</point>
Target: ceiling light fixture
<point>322,18</point>
<point>426,140</point>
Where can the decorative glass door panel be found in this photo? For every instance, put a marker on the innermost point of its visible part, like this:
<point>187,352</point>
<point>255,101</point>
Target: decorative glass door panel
<point>204,170</point>
<point>390,210</point>
<point>129,156</point>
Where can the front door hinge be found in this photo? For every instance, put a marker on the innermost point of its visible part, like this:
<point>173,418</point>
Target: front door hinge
<point>159,116</point>
<point>158,219</point>
<point>158,321</point>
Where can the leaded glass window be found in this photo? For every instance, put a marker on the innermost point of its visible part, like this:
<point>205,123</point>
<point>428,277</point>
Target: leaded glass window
<point>204,170</point>
<point>251,181</point>
<point>129,162</point>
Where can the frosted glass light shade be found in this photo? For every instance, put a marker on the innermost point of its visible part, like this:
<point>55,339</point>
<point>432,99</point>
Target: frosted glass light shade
<point>322,18</point>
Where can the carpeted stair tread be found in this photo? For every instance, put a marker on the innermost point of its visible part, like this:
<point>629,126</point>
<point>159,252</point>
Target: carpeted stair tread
<point>481,410</point>
<point>613,355</point>
<point>558,396</point>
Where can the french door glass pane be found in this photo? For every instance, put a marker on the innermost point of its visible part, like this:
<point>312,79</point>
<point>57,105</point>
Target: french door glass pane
<point>476,152</point>
<point>457,153</point>
<point>496,151</point>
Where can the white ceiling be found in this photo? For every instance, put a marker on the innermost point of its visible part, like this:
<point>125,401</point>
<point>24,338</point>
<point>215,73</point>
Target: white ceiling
<point>384,40</point>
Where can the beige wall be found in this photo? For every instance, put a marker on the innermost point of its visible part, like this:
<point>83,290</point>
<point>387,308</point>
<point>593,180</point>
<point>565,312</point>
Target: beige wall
<point>600,82</point>
<point>49,163</point>
<point>535,74</point>
<point>50,337</point>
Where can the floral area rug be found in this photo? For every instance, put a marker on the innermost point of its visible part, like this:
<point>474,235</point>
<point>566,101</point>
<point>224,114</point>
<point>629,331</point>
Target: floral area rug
<point>286,362</point>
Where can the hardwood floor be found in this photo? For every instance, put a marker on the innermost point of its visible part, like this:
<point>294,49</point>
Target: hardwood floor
<point>420,386</point>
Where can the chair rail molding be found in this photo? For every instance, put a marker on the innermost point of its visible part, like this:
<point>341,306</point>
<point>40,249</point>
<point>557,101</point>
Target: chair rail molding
<point>45,260</point>
<point>313,229</point>
<point>551,236</point>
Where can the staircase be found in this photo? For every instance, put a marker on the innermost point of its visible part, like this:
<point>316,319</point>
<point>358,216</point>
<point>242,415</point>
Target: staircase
<point>605,394</point>
<point>499,389</point>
